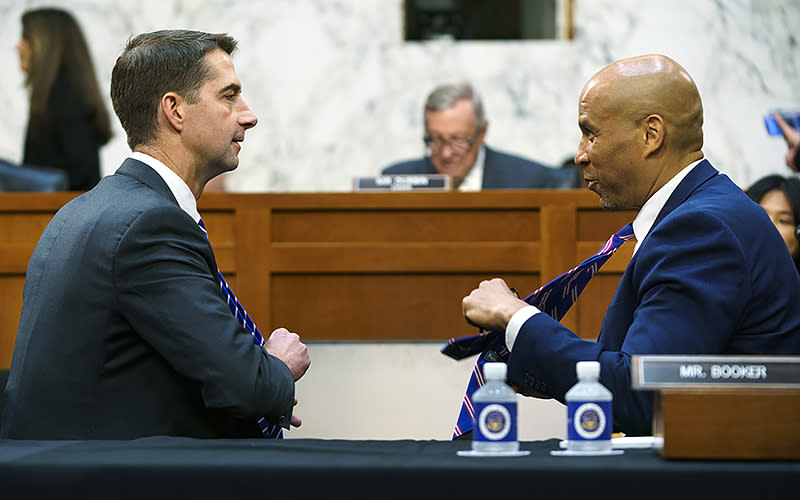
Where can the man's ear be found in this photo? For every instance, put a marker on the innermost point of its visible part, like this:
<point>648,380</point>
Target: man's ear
<point>171,106</point>
<point>654,131</point>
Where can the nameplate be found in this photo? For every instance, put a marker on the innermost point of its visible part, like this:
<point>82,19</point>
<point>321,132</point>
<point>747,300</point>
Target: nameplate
<point>421,182</point>
<point>658,372</point>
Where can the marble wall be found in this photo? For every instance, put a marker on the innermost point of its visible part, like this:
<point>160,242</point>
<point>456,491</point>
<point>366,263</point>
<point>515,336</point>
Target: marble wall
<point>339,94</point>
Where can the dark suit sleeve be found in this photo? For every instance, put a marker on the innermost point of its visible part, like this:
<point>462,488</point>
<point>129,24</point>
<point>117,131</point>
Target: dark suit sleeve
<point>691,285</point>
<point>168,294</point>
<point>505,171</point>
<point>414,167</point>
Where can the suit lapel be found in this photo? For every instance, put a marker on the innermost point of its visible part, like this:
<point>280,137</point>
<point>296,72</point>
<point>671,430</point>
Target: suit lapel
<point>619,314</point>
<point>697,177</point>
<point>491,178</point>
<point>146,175</point>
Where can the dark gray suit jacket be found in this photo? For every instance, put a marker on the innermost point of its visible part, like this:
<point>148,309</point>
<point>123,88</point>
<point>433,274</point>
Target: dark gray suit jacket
<point>500,171</point>
<point>124,332</point>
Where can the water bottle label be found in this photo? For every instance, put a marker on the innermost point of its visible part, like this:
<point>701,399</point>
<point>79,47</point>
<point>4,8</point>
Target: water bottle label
<point>495,422</point>
<point>589,420</point>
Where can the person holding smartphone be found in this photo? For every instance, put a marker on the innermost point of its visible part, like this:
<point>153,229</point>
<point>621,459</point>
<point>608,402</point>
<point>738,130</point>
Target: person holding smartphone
<point>792,138</point>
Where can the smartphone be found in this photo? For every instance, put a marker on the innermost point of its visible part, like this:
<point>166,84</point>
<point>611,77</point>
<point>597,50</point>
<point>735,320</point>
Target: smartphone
<point>792,117</point>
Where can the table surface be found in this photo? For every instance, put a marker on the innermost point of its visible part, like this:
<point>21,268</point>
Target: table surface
<point>173,467</point>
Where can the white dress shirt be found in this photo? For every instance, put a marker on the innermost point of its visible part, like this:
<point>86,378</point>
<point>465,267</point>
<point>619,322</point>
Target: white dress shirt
<point>180,190</point>
<point>474,179</point>
<point>641,227</point>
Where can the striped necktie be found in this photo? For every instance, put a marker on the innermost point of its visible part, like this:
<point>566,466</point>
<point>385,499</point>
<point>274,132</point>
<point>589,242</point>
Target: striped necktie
<point>555,298</point>
<point>270,431</point>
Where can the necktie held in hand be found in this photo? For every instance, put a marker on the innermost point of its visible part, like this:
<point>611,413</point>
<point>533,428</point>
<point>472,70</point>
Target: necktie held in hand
<point>555,298</point>
<point>270,431</point>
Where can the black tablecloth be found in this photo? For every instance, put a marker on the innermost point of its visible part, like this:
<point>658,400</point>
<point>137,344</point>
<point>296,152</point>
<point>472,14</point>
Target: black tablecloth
<point>161,467</point>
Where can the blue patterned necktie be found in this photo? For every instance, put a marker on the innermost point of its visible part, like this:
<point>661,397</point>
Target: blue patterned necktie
<point>555,298</point>
<point>270,431</point>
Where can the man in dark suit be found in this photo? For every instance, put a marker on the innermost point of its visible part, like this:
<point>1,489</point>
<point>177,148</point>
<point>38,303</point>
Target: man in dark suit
<point>124,330</point>
<point>455,129</point>
<point>709,274</point>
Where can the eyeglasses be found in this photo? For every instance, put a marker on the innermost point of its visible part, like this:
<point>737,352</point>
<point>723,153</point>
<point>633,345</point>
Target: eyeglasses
<point>458,145</point>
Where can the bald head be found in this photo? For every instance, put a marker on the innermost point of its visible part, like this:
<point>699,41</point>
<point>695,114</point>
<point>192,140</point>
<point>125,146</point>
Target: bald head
<point>642,122</point>
<point>637,87</point>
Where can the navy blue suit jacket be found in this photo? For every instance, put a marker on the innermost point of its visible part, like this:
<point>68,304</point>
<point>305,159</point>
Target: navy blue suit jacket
<point>124,332</point>
<point>711,277</point>
<point>500,171</point>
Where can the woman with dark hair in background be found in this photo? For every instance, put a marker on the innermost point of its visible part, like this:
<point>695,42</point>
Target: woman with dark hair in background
<point>67,120</point>
<point>780,198</point>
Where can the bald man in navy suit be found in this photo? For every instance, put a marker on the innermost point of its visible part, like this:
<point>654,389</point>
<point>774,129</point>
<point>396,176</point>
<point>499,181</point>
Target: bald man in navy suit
<point>710,274</point>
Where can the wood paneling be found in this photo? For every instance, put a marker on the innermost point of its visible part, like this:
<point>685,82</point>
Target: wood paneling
<point>421,225</point>
<point>374,306</point>
<point>721,423</point>
<point>367,266</point>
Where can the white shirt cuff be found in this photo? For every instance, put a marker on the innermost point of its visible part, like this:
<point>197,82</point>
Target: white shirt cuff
<point>516,322</point>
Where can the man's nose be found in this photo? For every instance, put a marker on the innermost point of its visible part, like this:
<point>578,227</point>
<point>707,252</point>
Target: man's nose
<point>581,156</point>
<point>446,150</point>
<point>247,118</point>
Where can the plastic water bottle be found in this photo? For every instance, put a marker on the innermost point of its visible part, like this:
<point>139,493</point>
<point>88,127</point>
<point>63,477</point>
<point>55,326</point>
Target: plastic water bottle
<point>495,405</point>
<point>589,416</point>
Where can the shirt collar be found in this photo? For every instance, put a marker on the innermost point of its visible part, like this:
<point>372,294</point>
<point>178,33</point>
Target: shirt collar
<point>646,217</point>
<point>180,190</point>
<point>474,179</point>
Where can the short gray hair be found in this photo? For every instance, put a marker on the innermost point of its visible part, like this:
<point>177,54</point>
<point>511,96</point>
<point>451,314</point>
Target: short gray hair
<point>446,96</point>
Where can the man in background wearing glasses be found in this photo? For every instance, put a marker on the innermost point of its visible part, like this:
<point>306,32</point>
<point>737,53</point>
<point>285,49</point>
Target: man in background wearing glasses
<point>455,128</point>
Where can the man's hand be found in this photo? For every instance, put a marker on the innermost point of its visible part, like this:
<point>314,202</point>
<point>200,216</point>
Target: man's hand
<point>287,347</point>
<point>792,138</point>
<point>491,305</point>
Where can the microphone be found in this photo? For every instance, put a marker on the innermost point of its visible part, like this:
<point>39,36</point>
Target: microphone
<point>797,232</point>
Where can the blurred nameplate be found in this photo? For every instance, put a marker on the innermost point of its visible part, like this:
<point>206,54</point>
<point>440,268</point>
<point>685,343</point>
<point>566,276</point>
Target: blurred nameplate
<point>686,372</point>
<point>421,182</point>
